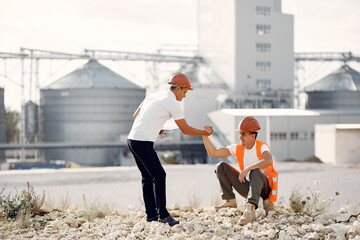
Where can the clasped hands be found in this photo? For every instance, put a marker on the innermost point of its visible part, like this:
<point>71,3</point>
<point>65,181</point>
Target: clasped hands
<point>208,129</point>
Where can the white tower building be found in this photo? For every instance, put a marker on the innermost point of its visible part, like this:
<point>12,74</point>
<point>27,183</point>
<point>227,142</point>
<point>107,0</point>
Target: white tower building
<point>249,43</point>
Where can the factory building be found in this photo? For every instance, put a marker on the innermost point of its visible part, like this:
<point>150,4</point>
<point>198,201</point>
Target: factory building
<point>2,125</point>
<point>90,104</point>
<point>338,90</point>
<point>248,44</point>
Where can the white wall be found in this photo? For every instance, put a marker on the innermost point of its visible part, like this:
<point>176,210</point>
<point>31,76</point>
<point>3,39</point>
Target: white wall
<point>325,138</point>
<point>348,146</point>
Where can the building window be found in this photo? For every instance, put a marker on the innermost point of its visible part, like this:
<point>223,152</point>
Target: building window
<point>298,135</point>
<point>278,136</point>
<point>263,83</point>
<point>263,47</point>
<point>262,29</point>
<point>262,11</point>
<point>263,66</point>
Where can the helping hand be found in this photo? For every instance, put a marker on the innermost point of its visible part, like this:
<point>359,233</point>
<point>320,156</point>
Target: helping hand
<point>208,129</point>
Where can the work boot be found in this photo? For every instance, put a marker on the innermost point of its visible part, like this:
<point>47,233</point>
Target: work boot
<point>230,203</point>
<point>150,219</point>
<point>170,220</point>
<point>248,215</point>
<point>268,206</point>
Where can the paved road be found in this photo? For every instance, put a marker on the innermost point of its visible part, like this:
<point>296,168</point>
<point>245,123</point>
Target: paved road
<point>121,186</point>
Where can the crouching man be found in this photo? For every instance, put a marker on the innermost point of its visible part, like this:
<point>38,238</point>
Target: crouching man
<point>257,177</point>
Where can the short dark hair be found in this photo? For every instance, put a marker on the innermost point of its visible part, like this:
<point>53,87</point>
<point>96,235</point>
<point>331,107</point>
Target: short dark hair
<point>256,133</point>
<point>173,86</point>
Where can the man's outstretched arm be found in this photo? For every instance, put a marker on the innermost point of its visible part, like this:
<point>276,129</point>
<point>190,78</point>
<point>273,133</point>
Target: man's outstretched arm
<point>215,152</point>
<point>188,130</point>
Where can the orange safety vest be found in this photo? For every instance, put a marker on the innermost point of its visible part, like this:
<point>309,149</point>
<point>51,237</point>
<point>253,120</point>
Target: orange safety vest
<point>273,175</point>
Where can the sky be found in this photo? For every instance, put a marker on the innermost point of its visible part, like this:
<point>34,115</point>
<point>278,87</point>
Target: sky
<point>144,25</point>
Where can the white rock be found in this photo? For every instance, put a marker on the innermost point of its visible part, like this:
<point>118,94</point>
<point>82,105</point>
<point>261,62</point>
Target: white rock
<point>218,220</point>
<point>317,227</point>
<point>219,231</point>
<point>339,229</point>
<point>325,218</point>
<point>226,225</point>
<point>313,236</point>
<point>344,217</point>
<point>356,226</point>
<point>199,228</point>
<point>186,215</point>
<point>72,222</point>
<point>138,227</point>
<point>301,231</point>
<point>283,235</point>
<point>175,213</point>
<point>292,230</point>
<point>177,228</point>
<point>270,214</point>
<point>291,220</point>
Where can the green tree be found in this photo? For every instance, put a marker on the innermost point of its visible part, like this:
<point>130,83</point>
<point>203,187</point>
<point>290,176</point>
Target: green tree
<point>11,126</point>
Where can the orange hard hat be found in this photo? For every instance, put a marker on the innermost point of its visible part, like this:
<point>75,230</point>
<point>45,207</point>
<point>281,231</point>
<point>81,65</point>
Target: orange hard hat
<point>248,124</point>
<point>180,79</point>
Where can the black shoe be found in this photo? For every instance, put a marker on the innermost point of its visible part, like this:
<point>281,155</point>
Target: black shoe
<point>170,220</point>
<point>156,218</point>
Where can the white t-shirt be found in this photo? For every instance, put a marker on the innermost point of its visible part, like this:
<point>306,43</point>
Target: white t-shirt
<point>250,156</point>
<point>156,109</point>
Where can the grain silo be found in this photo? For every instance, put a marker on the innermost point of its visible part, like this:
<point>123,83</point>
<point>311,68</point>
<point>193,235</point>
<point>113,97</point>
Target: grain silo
<point>31,121</point>
<point>338,90</point>
<point>2,124</point>
<point>90,104</point>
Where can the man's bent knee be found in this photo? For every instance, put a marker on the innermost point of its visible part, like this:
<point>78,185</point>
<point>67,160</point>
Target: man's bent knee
<point>255,173</point>
<point>220,166</point>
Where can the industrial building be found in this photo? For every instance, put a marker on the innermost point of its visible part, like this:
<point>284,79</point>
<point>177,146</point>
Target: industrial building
<point>338,143</point>
<point>249,45</point>
<point>90,104</point>
<point>338,90</point>
<point>2,125</point>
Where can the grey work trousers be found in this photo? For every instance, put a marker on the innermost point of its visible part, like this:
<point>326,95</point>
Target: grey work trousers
<point>252,190</point>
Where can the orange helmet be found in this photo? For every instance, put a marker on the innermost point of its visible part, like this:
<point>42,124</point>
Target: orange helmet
<point>249,124</point>
<point>180,79</point>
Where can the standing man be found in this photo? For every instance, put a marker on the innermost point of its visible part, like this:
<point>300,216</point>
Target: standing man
<point>150,116</point>
<point>257,177</point>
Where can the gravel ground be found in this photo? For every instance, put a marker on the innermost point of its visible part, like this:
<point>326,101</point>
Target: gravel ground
<point>192,191</point>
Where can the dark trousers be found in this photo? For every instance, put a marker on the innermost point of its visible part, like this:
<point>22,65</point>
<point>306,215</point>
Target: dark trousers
<point>252,190</point>
<point>153,177</point>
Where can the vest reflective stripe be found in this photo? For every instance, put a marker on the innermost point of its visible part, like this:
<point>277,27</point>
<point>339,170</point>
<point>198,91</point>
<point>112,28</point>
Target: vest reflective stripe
<point>273,175</point>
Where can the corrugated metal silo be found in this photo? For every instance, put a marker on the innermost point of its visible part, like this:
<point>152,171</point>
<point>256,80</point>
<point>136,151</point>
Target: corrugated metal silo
<point>91,104</point>
<point>338,90</point>
<point>2,124</point>
<point>31,120</point>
